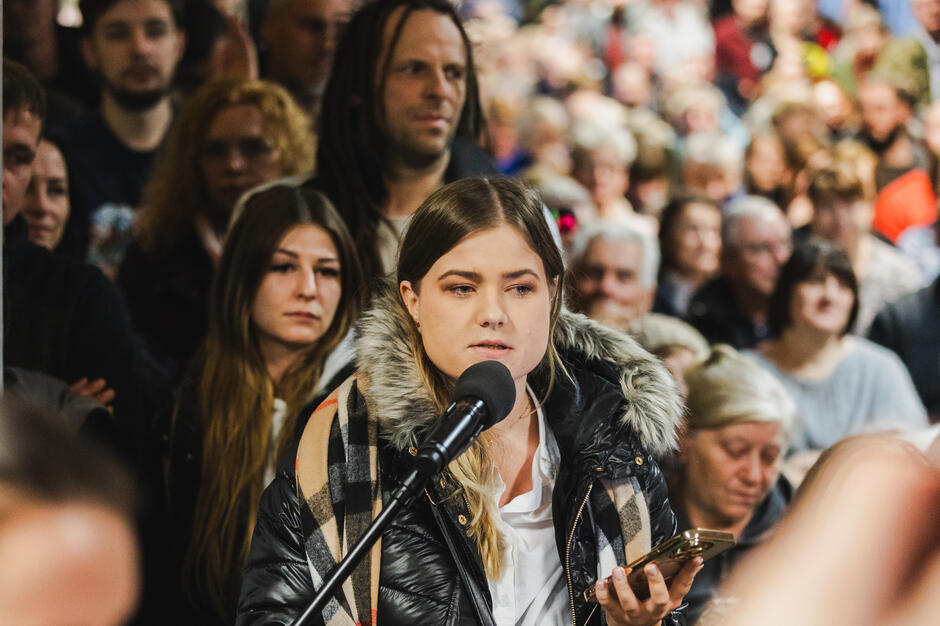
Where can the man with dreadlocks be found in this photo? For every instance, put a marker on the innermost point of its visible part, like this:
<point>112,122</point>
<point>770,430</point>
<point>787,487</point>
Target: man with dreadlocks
<point>400,117</point>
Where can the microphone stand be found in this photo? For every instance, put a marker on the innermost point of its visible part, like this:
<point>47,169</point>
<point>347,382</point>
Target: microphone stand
<point>445,442</point>
<point>403,496</point>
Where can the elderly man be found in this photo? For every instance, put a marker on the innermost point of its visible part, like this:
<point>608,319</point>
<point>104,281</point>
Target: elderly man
<point>613,269</point>
<point>756,242</point>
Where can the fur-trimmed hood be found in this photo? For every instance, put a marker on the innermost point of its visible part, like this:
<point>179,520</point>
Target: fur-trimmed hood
<point>394,390</point>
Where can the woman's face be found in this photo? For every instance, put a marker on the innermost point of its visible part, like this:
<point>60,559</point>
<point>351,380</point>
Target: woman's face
<point>486,299</point>
<point>822,303</point>
<point>46,207</point>
<point>727,471</point>
<point>765,164</point>
<point>298,296</point>
<point>238,153</point>
<point>697,240</point>
<point>603,173</point>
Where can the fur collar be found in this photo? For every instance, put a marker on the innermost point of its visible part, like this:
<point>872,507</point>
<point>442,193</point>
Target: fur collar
<point>394,391</point>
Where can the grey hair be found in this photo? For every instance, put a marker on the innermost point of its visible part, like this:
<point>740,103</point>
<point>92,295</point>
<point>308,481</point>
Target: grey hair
<point>589,135</point>
<point>742,208</point>
<point>608,230</point>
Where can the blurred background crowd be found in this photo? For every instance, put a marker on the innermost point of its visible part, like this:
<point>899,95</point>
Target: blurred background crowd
<point>748,188</point>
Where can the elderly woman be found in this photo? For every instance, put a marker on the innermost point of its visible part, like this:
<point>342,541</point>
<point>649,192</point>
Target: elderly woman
<point>728,471</point>
<point>229,137</point>
<point>841,384</point>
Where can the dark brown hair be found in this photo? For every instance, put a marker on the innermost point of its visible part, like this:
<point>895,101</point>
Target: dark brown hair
<point>236,394</point>
<point>350,136</point>
<point>811,259</point>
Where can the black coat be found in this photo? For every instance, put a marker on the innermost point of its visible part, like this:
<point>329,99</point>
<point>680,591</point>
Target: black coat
<point>716,570</point>
<point>911,328</point>
<point>420,582</point>
<point>167,293</point>
<point>65,319</point>
<point>713,313</point>
<point>426,548</point>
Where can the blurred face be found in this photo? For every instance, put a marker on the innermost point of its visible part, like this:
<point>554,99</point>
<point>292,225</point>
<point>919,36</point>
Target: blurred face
<point>425,87</point>
<point>697,240</point>
<point>765,164</point>
<point>932,130</point>
<point>20,142</point>
<point>868,41</point>
<point>300,37</point>
<point>728,471</point>
<point>134,47</point>
<point>750,11</point>
<point>823,304</point>
<point>603,173</point>
<point>67,564</point>
<point>608,282</point>
<point>677,361</point>
<point>763,246</point>
<point>927,12</point>
<point>485,299</point>
<point>298,297</point>
<point>843,222</point>
<point>881,110</point>
<point>831,103</point>
<point>238,153</point>
<point>46,208</point>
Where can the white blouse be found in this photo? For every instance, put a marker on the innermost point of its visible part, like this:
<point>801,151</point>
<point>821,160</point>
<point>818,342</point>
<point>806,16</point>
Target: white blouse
<point>532,589</point>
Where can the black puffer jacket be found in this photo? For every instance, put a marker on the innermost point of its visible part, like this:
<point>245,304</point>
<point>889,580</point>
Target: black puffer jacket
<point>619,408</point>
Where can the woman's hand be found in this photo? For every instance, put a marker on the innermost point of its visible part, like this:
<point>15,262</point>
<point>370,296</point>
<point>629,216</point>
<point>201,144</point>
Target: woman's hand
<point>624,609</point>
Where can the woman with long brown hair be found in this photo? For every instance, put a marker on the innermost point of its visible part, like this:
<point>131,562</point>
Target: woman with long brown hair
<point>562,492</point>
<point>284,299</point>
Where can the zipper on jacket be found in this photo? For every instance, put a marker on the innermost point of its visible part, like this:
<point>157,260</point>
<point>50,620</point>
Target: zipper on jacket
<point>574,618</point>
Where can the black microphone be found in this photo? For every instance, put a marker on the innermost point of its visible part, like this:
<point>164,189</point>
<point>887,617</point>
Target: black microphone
<point>484,395</point>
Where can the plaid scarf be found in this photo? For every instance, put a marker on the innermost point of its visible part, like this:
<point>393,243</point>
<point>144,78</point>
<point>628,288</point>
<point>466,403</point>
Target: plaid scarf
<point>337,477</point>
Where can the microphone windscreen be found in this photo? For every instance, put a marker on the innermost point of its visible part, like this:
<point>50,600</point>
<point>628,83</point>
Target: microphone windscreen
<point>491,382</point>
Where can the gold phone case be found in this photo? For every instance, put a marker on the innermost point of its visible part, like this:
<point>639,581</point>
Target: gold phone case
<point>671,555</point>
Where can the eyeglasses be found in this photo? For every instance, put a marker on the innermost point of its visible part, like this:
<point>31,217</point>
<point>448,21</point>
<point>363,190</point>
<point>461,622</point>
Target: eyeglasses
<point>249,148</point>
<point>775,248</point>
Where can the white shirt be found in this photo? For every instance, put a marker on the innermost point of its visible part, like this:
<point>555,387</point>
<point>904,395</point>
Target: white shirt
<point>532,590</point>
<point>277,424</point>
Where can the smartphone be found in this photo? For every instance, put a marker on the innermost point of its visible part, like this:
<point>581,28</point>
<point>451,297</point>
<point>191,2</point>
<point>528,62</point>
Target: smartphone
<point>670,556</point>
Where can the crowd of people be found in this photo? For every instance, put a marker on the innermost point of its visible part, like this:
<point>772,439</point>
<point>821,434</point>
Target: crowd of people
<point>250,245</point>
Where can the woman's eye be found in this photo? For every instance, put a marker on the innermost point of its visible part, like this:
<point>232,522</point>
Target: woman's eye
<point>282,268</point>
<point>522,290</point>
<point>735,452</point>
<point>328,272</point>
<point>460,290</point>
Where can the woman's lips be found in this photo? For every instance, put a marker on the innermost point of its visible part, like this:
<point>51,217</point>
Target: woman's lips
<point>303,315</point>
<point>491,350</point>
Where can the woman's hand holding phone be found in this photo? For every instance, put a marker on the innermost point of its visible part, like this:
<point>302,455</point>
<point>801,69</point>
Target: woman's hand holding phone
<point>624,609</point>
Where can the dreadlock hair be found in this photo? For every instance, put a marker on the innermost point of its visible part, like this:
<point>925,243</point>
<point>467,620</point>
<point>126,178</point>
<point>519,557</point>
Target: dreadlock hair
<point>350,132</point>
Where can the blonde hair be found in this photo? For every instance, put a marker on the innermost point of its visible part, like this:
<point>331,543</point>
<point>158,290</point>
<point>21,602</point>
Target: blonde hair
<point>175,193</point>
<point>660,334</point>
<point>730,388</point>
